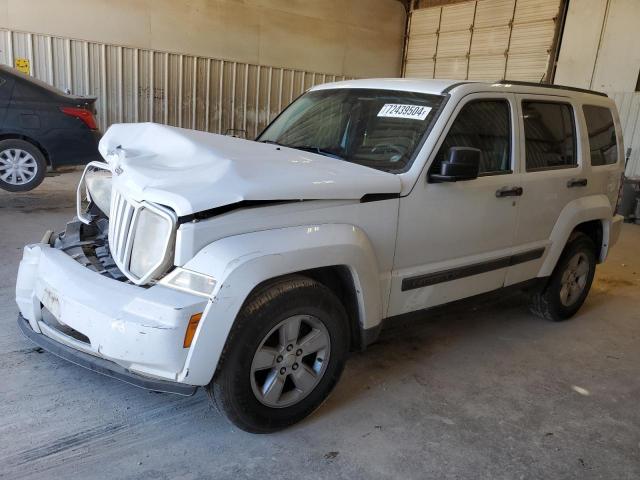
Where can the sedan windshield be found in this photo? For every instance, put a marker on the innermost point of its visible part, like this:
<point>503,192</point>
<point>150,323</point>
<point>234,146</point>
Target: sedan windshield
<point>377,128</point>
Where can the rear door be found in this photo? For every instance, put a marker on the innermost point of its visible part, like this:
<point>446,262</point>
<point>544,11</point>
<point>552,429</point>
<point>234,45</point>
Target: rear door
<point>553,174</point>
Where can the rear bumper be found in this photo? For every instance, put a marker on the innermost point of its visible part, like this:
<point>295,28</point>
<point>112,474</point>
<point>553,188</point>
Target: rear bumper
<point>100,365</point>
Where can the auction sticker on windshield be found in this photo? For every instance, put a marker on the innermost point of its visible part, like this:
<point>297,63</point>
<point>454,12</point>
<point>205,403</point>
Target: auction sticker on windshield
<point>394,110</point>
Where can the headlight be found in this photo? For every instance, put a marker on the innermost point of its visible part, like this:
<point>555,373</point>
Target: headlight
<point>99,187</point>
<point>149,250</point>
<point>189,281</point>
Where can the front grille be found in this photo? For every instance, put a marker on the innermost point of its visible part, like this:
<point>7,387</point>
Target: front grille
<point>125,221</point>
<point>121,222</point>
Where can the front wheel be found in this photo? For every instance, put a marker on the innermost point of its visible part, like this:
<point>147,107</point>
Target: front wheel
<point>570,281</point>
<point>283,356</point>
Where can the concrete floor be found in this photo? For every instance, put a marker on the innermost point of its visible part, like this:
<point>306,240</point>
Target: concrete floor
<point>483,392</point>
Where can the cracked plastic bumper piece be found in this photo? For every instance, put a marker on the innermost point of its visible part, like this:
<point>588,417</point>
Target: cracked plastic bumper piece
<point>100,365</point>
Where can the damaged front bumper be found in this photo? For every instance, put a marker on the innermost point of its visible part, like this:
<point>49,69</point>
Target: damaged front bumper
<point>129,332</point>
<point>100,365</point>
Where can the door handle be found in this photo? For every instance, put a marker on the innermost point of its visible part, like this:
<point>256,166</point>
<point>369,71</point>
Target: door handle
<point>509,192</point>
<point>577,182</point>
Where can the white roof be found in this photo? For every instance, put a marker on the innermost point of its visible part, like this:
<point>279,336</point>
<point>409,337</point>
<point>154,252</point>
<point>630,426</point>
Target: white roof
<point>402,84</point>
<point>438,86</point>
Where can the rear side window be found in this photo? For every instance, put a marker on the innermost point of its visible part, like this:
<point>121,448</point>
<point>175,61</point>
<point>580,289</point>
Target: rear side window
<point>602,135</point>
<point>485,125</point>
<point>550,135</point>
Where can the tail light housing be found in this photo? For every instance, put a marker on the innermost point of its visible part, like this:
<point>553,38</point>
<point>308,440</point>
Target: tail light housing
<point>83,114</point>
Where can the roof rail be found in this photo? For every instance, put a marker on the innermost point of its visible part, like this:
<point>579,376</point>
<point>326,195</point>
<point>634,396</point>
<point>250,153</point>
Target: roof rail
<point>548,85</point>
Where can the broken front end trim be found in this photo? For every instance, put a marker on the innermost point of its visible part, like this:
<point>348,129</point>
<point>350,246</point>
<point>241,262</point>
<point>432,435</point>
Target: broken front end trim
<point>102,366</point>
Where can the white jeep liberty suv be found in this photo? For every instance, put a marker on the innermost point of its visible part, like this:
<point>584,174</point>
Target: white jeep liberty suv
<point>252,268</point>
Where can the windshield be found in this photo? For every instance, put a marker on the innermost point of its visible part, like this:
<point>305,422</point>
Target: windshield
<point>377,128</point>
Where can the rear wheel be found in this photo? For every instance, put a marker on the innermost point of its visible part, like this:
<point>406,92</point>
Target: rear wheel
<point>570,282</point>
<point>22,165</point>
<point>283,356</point>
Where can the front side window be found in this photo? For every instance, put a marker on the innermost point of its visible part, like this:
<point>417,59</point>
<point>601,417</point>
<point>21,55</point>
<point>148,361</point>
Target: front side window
<point>602,135</point>
<point>550,135</point>
<point>485,125</point>
<point>382,129</point>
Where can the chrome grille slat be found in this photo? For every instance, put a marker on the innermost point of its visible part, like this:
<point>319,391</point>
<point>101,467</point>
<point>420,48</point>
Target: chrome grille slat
<point>114,222</point>
<point>120,229</point>
<point>124,231</point>
<point>131,226</point>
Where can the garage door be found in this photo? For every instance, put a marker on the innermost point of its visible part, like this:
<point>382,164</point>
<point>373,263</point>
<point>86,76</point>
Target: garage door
<point>482,40</point>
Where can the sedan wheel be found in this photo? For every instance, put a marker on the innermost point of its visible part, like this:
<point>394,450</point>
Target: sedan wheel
<point>17,167</point>
<point>22,165</point>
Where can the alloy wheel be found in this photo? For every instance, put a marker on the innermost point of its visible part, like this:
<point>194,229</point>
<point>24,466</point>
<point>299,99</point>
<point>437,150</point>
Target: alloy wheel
<point>574,279</point>
<point>290,361</point>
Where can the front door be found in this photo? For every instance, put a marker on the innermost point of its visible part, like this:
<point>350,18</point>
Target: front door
<point>455,239</point>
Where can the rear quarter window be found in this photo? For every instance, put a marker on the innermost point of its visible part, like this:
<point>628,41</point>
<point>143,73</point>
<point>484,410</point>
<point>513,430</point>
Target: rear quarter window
<point>602,135</point>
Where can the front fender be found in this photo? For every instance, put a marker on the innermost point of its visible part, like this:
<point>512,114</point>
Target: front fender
<point>240,263</point>
<point>585,209</point>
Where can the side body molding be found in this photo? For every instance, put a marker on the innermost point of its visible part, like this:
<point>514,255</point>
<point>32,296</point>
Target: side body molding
<point>585,209</point>
<point>240,263</point>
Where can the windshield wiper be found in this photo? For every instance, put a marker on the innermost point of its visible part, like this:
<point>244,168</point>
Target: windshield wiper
<point>321,151</point>
<point>270,142</point>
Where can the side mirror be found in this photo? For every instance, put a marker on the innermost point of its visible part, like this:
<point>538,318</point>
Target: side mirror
<point>462,163</point>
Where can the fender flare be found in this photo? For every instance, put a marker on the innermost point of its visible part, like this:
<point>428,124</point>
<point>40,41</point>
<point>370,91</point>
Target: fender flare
<point>240,263</point>
<point>581,210</point>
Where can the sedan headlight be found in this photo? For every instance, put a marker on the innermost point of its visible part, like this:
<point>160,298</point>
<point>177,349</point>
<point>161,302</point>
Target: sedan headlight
<point>98,184</point>
<point>189,281</point>
<point>149,252</point>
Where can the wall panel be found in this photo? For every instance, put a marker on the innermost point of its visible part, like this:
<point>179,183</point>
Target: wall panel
<point>628,104</point>
<point>135,84</point>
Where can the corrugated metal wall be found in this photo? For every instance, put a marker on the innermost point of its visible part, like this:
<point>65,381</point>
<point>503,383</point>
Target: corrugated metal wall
<point>139,85</point>
<point>629,110</point>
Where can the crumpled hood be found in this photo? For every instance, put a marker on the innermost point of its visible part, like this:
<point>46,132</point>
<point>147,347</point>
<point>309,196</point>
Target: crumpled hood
<point>192,171</point>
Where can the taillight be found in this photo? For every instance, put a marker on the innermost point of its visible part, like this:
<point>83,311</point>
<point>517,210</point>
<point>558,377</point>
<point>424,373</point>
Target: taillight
<point>85,115</point>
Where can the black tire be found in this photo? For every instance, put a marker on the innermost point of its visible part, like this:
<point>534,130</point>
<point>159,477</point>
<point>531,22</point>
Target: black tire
<point>547,303</point>
<point>39,166</point>
<point>231,389</point>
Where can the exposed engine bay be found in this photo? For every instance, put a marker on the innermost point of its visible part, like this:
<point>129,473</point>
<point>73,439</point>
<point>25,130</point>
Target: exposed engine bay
<point>89,246</point>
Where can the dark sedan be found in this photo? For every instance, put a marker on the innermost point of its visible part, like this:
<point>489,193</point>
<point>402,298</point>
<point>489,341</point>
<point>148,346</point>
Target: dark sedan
<point>40,128</point>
